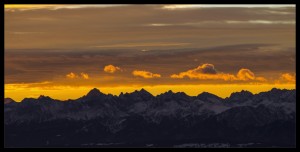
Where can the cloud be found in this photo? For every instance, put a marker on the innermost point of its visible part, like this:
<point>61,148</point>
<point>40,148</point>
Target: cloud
<point>175,7</point>
<point>23,7</point>
<point>261,22</point>
<point>245,74</point>
<point>205,71</point>
<point>260,79</point>
<point>145,74</point>
<point>71,75</point>
<point>13,86</point>
<point>111,68</point>
<point>129,45</point>
<point>22,33</point>
<point>74,75</point>
<point>84,75</point>
<point>224,22</point>
<point>208,72</point>
<point>286,78</point>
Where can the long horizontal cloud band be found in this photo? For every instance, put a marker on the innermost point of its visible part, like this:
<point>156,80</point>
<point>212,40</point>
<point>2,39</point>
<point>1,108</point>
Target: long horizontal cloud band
<point>145,74</point>
<point>203,72</point>
<point>208,71</point>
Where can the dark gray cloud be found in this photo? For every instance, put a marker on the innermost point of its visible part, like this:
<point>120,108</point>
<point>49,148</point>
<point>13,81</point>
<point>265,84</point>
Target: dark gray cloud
<point>206,69</point>
<point>126,26</point>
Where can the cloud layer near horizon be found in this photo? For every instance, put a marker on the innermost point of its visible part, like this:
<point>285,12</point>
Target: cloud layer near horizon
<point>208,72</point>
<point>145,74</point>
<point>24,66</point>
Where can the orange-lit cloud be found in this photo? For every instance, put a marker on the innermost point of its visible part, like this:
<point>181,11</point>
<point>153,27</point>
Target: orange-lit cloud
<point>260,79</point>
<point>286,78</point>
<point>24,7</point>
<point>18,86</point>
<point>111,69</point>
<point>208,72</point>
<point>84,75</point>
<point>145,74</point>
<point>71,75</point>
<point>74,75</point>
<point>245,74</point>
<point>205,71</point>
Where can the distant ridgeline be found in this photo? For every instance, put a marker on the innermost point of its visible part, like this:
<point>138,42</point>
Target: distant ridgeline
<point>140,119</point>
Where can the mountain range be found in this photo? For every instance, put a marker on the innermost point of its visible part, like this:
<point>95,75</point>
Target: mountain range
<point>139,119</point>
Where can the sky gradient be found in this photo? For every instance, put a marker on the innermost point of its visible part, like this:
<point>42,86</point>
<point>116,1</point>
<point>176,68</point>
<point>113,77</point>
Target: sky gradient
<point>63,51</point>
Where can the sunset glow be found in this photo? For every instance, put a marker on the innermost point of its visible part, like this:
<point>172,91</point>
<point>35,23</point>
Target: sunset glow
<point>19,92</point>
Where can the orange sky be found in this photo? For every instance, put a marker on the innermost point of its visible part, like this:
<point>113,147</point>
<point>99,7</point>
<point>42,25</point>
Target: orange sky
<point>67,92</point>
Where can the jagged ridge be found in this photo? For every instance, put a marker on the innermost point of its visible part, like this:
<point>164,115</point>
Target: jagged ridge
<point>140,117</point>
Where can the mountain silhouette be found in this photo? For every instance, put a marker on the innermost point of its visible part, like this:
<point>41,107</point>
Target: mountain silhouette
<point>205,96</point>
<point>94,93</point>
<point>8,100</point>
<point>138,119</point>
